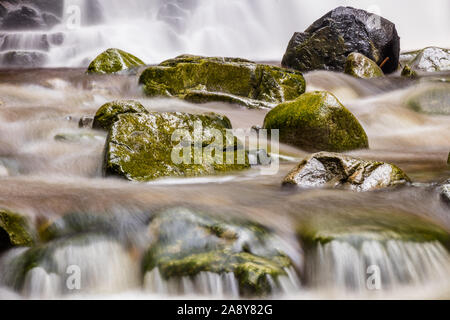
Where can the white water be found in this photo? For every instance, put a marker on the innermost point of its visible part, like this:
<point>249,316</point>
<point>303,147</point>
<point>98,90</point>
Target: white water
<point>255,29</point>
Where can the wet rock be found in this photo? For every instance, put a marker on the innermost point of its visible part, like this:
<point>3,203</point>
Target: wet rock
<point>325,169</point>
<point>50,20</point>
<point>429,59</point>
<point>22,19</point>
<point>444,190</point>
<point>23,59</point>
<point>85,122</point>
<point>55,7</point>
<point>15,230</point>
<point>328,41</point>
<point>112,61</point>
<point>187,243</point>
<point>109,112</point>
<point>139,146</point>
<point>205,79</point>
<point>317,121</point>
<point>408,72</point>
<point>434,100</point>
<point>359,66</point>
<point>78,137</point>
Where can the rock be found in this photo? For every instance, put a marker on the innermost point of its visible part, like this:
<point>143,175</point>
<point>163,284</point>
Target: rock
<point>78,137</point>
<point>114,60</point>
<point>359,66</point>
<point>15,230</point>
<point>434,100</point>
<point>139,146</point>
<point>340,171</point>
<point>205,79</point>
<point>23,59</point>
<point>85,122</point>
<point>317,121</point>
<point>55,7</point>
<point>22,19</point>
<point>50,20</point>
<point>109,112</point>
<point>429,59</point>
<point>328,41</point>
<point>408,72</point>
<point>188,243</point>
<point>444,190</point>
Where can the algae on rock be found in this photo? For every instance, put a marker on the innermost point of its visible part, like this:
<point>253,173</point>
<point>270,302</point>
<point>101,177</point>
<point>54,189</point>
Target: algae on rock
<point>360,66</point>
<point>317,121</point>
<point>113,61</point>
<point>16,230</point>
<point>206,79</point>
<point>108,113</point>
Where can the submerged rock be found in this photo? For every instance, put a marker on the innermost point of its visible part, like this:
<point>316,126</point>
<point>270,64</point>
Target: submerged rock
<point>408,72</point>
<point>360,66</point>
<point>78,137</point>
<point>328,41</point>
<point>434,100</point>
<point>23,59</point>
<point>109,112</point>
<point>205,79</point>
<point>85,122</point>
<point>336,171</point>
<point>317,121</point>
<point>187,243</point>
<point>429,59</point>
<point>140,147</point>
<point>114,60</point>
<point>15,230</point>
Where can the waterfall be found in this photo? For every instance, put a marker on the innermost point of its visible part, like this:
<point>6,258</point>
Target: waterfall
<point>159,29</point>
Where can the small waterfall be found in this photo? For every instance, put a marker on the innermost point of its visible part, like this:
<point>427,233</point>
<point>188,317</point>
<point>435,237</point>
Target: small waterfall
<point>348,265</point>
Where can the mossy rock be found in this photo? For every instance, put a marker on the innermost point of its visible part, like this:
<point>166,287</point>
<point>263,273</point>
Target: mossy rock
<point>108,113</point>
<point>139,146</point>
<point>113,61</point>
<point>211,244</point>
<point>444,190</point>
<point>355,225</point>
<point>360,66</point>
<point>15,230</point>
<point>317,121</point>
<point>340,171</point>
<point>430,59</point>
<point>408,72</point>
<point>205,79</point>
<point>431,100</point>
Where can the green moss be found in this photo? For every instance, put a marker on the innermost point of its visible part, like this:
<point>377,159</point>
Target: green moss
<point>317,121</point>
<point>139,147</point>
<point>205,79</point>
<point>360,66</point>
<point>211,244</point>
<point>17,227</point>
<point>112,61</point>
<point>108,113</point>
<point>408,72</point>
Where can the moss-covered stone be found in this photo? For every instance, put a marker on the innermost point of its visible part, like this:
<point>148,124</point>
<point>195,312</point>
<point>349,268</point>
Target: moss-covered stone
<point>337,170</point>
<point>212,244</point>
<point>109,112</point>
<point>15,230</point>
<point>114,60</point>
<point>429,59</point>
<point>360,66</point>
<point>317,121</point>
<point>354,225</point>
<point>431,100</point>
<point>139,146</point>
<point>408,72</point>
<point>204,79</point>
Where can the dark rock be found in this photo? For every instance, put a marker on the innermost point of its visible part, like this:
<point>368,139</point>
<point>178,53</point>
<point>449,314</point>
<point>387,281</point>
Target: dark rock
<point>22,19</point>
<point>55,7</point>
<point>3,10</point>
<point>408,72</point>
<point>50,20</point>
<point>24,59</point>
<point>328,41</point>
<point>317,121</point>
<point>337,170</point>
<point>56,39</point>
<point>85,122</point>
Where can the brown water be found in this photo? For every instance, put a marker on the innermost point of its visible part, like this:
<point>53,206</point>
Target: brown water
<point>45,178</point>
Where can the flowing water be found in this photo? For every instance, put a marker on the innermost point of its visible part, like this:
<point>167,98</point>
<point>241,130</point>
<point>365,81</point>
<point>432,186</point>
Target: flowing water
<point>46,178</point>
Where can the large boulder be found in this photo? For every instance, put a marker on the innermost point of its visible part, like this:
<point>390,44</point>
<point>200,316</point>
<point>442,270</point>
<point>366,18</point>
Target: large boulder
<point>190,243</point>
<point>360,66</point>
<point>317,121</point>
<point>140,146</point>
<point>15,230</point>
<point>109,112</point>
<point>339,171</point>
<point>429,59</point>
<point>328,41</point>
<point>114,60</point>
<point>203,79</point>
